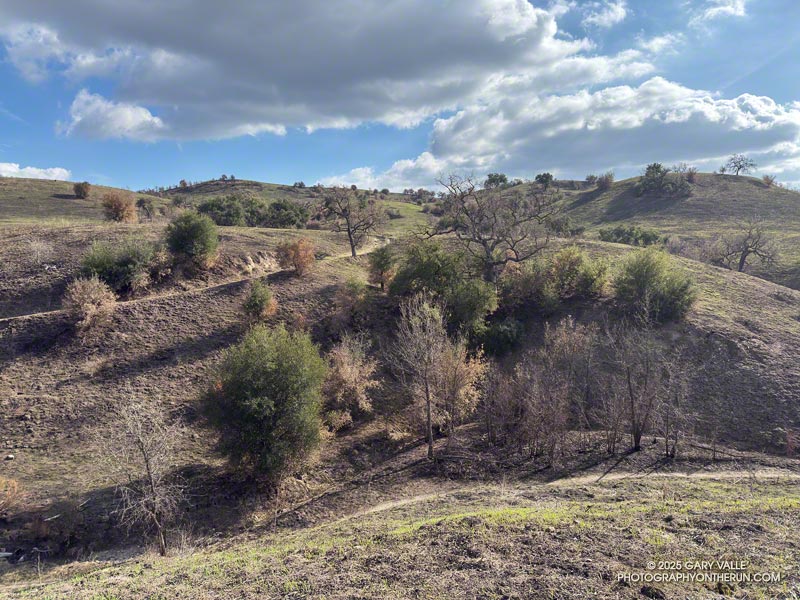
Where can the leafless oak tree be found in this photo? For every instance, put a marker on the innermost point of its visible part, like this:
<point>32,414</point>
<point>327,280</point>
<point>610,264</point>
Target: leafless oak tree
<point>496,227</point>
<point>421,339</point>
<point>352,213</point>
<point>138,451</point>
<point>650,383</point>
<point>739,163</point>
<point>752,240</point>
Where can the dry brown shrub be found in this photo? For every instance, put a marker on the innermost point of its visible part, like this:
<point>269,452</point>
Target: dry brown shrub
<point>297,255</point>
<point>10,494</point>
<point>120,207</point>
<point>82,189</point>
<point>298,322</point>
<point>349,380</point>
<point>89,302</point>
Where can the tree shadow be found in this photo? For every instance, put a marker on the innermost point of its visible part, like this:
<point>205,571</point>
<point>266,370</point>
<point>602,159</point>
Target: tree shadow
<point>191,350</point>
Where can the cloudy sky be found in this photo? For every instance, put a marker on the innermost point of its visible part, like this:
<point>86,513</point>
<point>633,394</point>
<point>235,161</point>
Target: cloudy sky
<point>393,93</point>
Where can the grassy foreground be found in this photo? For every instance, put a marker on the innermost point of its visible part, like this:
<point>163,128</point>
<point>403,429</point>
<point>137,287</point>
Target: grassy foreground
<point>563,540</point>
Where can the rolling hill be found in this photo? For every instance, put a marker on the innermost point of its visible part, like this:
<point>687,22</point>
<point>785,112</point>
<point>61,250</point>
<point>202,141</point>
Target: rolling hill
<point>372,517</point>
<point>717,204</point>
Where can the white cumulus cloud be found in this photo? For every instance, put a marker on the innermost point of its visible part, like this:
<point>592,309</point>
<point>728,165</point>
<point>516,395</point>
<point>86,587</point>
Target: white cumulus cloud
<point>266,67</point>
<point>94,116</point>
<point>616,127</point>
<point>14,170</point>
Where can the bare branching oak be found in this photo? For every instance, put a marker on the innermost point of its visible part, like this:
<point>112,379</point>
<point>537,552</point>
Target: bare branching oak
<point>739,163</point>
<point>650,383</point>
<point>138,451</point>
<point>421,340</point>
<point>348,211</point>
<point>751,242</point>
<point>497,227</point>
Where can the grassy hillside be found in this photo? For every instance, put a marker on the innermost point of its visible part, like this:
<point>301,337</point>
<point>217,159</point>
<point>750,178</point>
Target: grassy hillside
<point>716,205</point>
<point>526,536</point>
<point>410,216</point>
<point>41,200</point>
<point>28,201</point>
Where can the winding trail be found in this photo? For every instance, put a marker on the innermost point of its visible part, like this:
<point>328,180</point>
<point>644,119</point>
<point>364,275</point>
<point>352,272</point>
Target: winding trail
<point>377,242</point>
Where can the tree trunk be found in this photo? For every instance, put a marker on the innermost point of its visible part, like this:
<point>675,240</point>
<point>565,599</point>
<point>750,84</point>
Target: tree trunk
<point>490,273</point>
<point>162,541</point>
<point>352,243</point>
<point>742,262</point>
<point>429,424</point>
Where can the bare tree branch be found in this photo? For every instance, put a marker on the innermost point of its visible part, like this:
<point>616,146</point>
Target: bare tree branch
<point>496,227</point>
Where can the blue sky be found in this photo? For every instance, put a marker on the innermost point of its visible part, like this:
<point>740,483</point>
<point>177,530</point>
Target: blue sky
<point>395,93</point>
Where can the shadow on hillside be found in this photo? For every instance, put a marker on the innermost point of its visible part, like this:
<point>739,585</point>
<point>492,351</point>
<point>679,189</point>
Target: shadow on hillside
<point>585,198</point>
<point>32,336</point>
<point>628,204</point>
<point>76,527</point>
<point>41,298</point>
<point>187,350</point>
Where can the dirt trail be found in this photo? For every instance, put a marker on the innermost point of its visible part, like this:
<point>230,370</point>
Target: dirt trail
<point>445,490</point>
<point>232,282</point>
<point>770,473</point>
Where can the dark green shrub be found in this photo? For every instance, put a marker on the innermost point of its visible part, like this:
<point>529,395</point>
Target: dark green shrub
<point>382,266</point>
<point>227,212</point>
<point>267,401</point>
<point>605,181</point>
<point>426,266</point>
<point>575,275</point>
<point>658,179</point>
<point>529,288</point>
<point>260,303</point>
<point>563,226</point>
<point>650,288</point>
<point>246,211</point>
<point>592,279</point>
<point>124,267</point>
<point>495,180</point>
<point>193,237</point>
<point>545,179</point>
<point>633,235</point>
<point>285,215</point>
<point>501,337</point>
<point>146,207</point>
<point>467,305</point>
